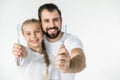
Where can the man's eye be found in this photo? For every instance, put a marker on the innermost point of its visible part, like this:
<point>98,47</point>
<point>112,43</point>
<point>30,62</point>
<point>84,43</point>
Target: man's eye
<point>56,19</point>
<point>46,20</point>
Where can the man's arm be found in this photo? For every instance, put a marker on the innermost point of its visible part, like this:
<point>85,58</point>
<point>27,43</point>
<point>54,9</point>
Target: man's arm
<point>70,63</point>
<point>77,62</point>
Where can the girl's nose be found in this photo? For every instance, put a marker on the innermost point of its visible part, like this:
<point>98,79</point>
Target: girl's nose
<point>33,35</point>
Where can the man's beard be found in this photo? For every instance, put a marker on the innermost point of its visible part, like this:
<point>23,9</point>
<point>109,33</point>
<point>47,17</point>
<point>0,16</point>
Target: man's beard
<point>52,36</point>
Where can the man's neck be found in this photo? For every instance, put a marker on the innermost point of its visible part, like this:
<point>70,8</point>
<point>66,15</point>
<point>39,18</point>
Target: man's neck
<point>55,39</point>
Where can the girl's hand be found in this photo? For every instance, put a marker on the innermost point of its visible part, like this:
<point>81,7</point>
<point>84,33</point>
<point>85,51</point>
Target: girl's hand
<point>19,50</point>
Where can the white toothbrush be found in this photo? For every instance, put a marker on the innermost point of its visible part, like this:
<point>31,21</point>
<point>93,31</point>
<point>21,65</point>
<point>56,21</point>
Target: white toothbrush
<point>18,41</point>
<point>64,30</point>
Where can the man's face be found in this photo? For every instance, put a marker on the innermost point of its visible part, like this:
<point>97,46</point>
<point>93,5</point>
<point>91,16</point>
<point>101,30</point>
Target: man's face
<point>51,23</point>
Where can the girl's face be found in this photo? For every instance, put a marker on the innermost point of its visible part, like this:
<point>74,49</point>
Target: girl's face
<point>33,34</point>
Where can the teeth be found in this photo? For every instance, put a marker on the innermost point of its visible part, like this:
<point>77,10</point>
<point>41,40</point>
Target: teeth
<point>52,30</point>
<point>34,41</point>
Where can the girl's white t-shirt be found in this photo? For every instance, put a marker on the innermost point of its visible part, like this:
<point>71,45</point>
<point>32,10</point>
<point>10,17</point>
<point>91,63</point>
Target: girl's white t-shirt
<point>34,68</point>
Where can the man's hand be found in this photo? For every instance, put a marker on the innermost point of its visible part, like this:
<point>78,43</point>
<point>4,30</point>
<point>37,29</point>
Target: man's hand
<point>63,59</point>
<point>19,50</point>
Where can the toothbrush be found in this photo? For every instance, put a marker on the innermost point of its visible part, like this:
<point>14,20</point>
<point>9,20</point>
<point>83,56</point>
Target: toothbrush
<point>65,31</point>
<point>18,41</point>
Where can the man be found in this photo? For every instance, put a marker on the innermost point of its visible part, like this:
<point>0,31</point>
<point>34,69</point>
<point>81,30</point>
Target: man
<point>65,48</point>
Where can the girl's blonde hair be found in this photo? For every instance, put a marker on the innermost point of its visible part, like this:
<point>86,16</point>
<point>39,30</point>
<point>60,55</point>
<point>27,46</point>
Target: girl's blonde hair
<point>46,57</point>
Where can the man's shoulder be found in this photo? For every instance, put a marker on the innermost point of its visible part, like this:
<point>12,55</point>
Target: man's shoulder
<point>73,41</point>
<point>71,36</point>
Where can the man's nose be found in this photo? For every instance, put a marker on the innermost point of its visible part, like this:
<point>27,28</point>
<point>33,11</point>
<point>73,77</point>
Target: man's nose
<point>52,24</point>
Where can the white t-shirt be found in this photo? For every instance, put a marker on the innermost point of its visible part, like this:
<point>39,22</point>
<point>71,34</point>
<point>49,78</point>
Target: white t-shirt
<point>70,42</point>
<point>34,68</point>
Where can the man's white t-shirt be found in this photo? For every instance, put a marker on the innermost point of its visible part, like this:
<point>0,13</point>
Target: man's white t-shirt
<point>34,68</point>
<point>70,42</point>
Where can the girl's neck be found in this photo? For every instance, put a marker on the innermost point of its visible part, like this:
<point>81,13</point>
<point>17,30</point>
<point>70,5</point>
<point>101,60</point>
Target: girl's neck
<point>37,49</point>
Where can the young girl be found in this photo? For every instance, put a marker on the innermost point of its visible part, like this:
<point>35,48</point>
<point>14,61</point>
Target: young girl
<point>37,65</point>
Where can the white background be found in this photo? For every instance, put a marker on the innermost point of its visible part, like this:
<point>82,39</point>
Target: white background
<point>95,22</point>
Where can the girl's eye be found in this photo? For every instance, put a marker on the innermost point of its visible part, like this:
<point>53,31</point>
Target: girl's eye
<point>38,31</point>
<point>27,33</point>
